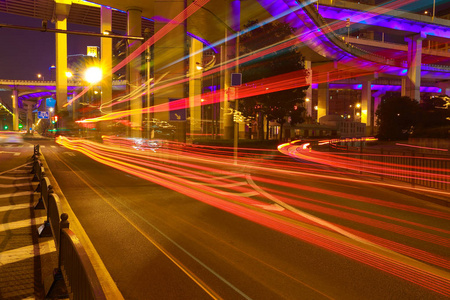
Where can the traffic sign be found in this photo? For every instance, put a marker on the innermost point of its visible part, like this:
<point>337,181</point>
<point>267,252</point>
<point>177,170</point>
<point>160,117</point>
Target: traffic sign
<point>42,114</point>
<point>176,113</point>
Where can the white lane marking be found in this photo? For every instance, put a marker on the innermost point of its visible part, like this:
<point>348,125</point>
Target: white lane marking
<point>21,166</point>
<point>311,217</point>
<point>13,185</point>
<point>16,178</point>
<point>18,171</point>
<point>17,153</point>
<point>15,255</point>
<point>69,153</point>
<point>246,194</point>
<point>19,194</point>
<point>53,146</point>
<point>21,224</point>
<point>15,207</point>
<point>5,152</point>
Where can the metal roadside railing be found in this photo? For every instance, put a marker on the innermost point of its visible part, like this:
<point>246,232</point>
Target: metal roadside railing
<point>427,169</point>
<point>74,265</point>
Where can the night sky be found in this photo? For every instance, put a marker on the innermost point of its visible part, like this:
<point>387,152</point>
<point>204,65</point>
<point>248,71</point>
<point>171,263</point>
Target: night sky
<point>25,53</point>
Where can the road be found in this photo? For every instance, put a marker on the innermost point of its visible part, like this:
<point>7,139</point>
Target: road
<point>191,224</point>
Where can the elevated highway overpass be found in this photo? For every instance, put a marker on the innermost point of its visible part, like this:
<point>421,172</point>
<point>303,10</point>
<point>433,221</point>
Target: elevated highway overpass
<point>320,27</point>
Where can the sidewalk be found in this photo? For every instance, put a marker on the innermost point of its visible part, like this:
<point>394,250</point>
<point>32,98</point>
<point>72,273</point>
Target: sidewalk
<point>25,259</point>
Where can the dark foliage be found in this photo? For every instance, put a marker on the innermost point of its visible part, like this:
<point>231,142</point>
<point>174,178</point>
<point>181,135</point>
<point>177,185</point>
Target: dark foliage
<point>401,117</point>
<point>397,117</point>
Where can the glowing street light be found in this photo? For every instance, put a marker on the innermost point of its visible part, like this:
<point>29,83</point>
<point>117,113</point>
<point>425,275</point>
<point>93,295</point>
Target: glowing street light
<point>40,76</point>
<point>93,75</point>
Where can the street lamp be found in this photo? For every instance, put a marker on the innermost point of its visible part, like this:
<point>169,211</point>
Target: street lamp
<point>93,75</point>
<point>40,76</point>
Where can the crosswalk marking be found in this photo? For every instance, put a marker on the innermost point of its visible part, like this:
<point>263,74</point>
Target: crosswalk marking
<point>15,255</point>
<point>14,178</point>
<point>19,194</point>
<point>12,146</point>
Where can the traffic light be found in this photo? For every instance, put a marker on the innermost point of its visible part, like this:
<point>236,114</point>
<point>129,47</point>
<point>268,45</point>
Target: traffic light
<point>20,126</point>
<point>5,127</point>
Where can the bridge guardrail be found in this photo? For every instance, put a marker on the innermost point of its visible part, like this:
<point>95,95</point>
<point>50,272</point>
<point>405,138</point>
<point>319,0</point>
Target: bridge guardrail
<point>429,170</point>
<point>74,266</point>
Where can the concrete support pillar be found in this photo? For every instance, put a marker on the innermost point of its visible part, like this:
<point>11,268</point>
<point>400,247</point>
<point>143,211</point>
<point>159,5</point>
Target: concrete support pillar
<point>61,11</point>
<point>195,86</point>
<point>29,121</point>
<point>106,58</point>
<point>308,96</point>
<point>403,91</point>
<point>225,81</point>
<point>15,108</point>
<point>168,60</point>
<point>232,52</point>
<point>367,114</point>
<point>323,99</point>
<point>366,101</point>
<point>414,65</point>
<point>133,75</point>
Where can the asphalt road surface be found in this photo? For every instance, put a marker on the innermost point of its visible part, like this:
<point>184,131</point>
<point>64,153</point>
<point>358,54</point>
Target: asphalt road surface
<point>179,225</point>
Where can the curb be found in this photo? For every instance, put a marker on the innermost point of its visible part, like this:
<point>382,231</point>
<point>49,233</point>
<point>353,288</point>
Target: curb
<point>109,286</point>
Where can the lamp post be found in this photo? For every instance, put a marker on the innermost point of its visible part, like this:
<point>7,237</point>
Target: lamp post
<point>50,110</point>
<point>40,76</point>
<point>147,33</point>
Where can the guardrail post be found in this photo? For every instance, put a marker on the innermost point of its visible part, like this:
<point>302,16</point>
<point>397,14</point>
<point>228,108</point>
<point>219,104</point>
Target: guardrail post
<point>36,152</point>
<point>44,193</point>
<point>45,230</point>
<point>58,289</point>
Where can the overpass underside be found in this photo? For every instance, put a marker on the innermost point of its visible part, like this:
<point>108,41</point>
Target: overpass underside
<point>168,73</point>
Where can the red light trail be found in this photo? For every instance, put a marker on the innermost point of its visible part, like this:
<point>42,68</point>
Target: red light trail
<point>193,174</point>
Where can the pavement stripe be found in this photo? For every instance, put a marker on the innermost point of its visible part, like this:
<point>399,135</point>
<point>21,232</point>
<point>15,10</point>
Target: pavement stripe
<point>16,206</point>
<point>13,185</point>
<point>13,256</point>
<point>19,194</point>
<point>18,171</point>
<point>17,154</point>
<point>16,178</point>
<point>21,224</point>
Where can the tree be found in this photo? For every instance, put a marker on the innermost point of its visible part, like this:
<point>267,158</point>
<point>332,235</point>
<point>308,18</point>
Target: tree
<point>397,118</point>
<point>435,118</point>
<point>280,105</point>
